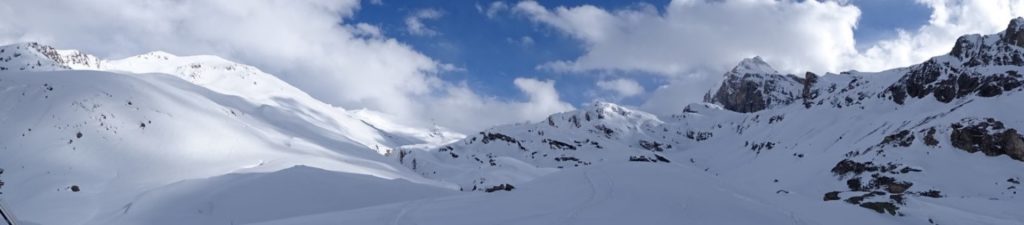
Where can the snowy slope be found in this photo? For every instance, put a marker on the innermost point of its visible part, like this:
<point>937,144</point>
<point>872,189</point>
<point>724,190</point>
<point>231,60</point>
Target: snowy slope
<point>83,142</point>
<point>613,193</point>
<point>255,197</point>
<point>244,81</point>
<point>115,136</point>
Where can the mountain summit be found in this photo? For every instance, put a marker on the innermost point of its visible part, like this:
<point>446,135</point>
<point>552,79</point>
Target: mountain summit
<point>753,85</point>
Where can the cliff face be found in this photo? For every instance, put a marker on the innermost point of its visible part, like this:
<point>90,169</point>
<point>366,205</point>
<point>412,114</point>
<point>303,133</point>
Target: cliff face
<point>753,85</point>
<point>983,65</point>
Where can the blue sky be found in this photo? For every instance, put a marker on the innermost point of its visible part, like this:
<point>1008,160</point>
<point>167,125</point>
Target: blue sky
<point>493,55</point>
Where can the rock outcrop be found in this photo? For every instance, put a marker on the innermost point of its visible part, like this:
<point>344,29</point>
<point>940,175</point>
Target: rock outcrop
<point>39,57</point>
<point>988,136</point>
<point>975,65</point>
<point>753,85</point>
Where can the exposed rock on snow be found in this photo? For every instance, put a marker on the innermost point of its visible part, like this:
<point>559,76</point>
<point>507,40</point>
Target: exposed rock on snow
<point>753,85</point>
<point>988,136</point>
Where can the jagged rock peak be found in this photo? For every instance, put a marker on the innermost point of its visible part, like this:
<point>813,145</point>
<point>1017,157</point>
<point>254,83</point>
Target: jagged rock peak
<point>36,56</point>
<point>1014,33</point>
<point>754,65</point>
<point>1004,48</point>
<point>753,85</point>
<point>977,65</point>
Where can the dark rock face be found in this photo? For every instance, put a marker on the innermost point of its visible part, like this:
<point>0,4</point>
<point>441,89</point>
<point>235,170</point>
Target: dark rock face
<point>953,76</point>
<point>988,136</point>
<point>642,158</point>
<point>754,86</point>
<point>923,80</point>
<point>881,207</point>
<point>1014,33</point>
<point>500,187</point>
<point>902,139</point>
<point>745,94</point>
<point>846,166</point>
<point>809,94</point>
<point>832,196</point>
<point>929,138</point>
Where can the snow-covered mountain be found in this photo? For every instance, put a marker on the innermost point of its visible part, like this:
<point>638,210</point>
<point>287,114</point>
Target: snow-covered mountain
<point>902,143</point>
<point>89,139</point>
<point>512,154</point>
<point>202,140</point>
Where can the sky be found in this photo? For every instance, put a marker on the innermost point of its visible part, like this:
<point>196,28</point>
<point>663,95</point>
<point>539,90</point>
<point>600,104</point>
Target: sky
<point>468,65</point>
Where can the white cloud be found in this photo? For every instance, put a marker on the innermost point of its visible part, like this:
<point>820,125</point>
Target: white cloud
<point>366,30</point>
<point>692,42</point>
<point>414,22</point>
<point>468,111</point>
<point>305,42</point>
<point>493,9</point>
<point>695,34</point>
<point>622,87</point>
<point>524,41</point>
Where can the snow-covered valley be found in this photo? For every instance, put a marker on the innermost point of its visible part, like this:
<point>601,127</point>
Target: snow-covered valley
<point>165,139</point>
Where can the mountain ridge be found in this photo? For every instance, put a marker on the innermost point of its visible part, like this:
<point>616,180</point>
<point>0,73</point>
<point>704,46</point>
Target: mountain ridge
<point>847,138</point>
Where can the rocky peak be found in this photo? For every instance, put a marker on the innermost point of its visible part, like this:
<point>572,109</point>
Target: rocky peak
<point>40,57</point>
<point>1004,48</point>
<point>977,65</point>
<point>754,65</point>
<point>1014,33</point>
<point>753,85</point>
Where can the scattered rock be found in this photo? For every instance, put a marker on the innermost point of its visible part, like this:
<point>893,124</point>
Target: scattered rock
<point>904,138</point>
<point>931,193</point>
<point>881,207</point>
<point>832,196</point>
<point>929,138</point>
<point>500,187</point>
<point>988,136</point>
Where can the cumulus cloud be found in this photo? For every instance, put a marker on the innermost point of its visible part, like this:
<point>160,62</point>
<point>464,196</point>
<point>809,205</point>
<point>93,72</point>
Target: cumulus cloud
<point>692,42</point>
<point>414,22</point>
<point>622,87</point>
<point>307,43</point>
<point>696,34</point>
<point>493,9</point>
<point>542,100</point>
